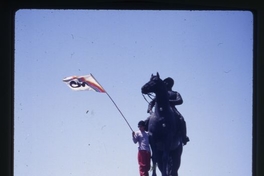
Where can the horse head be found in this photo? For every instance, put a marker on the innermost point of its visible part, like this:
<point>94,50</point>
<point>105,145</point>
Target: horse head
<point>153,84</point>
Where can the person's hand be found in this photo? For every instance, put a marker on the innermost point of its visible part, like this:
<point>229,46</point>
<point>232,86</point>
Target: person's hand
<point>133,134</point>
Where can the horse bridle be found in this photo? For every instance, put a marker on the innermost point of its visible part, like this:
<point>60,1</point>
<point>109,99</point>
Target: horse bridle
<point>150,95</point>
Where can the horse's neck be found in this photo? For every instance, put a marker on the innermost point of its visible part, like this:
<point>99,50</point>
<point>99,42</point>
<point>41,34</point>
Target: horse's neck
<point>162,98</point>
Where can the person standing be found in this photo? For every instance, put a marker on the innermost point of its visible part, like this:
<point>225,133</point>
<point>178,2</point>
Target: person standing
<point>142,138</point>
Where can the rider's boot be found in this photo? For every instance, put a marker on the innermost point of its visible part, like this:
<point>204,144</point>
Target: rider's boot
<point>185,138</point>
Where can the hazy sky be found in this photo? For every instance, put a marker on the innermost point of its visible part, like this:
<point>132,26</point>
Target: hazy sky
<point>208,53</point>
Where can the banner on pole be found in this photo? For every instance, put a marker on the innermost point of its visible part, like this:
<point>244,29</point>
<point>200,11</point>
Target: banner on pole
<point>86,82</point>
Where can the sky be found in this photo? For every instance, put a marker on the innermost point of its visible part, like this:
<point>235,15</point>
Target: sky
<point>58,131</point>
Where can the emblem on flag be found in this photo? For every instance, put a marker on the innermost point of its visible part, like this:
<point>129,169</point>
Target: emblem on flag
<point>86,82</point>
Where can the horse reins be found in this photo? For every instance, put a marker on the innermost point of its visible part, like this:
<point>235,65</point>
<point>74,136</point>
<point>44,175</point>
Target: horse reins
<point>149,95</point>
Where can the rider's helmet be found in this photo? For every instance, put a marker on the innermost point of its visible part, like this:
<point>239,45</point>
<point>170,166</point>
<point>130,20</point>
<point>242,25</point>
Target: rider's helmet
<point>169,82</point>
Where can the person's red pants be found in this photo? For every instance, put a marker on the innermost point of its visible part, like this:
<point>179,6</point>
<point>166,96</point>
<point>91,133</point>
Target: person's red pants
<point>144,162</point>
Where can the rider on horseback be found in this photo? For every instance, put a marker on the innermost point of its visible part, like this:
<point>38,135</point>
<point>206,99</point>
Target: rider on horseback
<point>175,99</point>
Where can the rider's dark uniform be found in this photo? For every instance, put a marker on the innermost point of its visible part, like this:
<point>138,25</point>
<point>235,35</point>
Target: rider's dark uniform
<point>175,99</point>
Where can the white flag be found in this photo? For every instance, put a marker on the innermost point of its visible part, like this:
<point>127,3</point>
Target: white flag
<point>86,82</point>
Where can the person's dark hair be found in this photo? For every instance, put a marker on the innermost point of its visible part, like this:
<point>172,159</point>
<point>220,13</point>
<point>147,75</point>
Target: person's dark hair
<point>169,82</point>
<point>141,123</point>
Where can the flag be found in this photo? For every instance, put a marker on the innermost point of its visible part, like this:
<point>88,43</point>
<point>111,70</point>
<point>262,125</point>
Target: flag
<point>86,82</point>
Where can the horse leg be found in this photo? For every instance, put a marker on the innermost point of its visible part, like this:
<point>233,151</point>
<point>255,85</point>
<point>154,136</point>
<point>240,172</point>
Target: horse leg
<point>157,161</point>
<point>170,165</point>
<point>176,160</point>
<point>165,161</point>
<point>154,168</point>
<point>154,160</point>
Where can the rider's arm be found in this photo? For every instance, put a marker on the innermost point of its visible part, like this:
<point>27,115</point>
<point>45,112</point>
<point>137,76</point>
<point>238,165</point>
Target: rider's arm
<point>175,98</point>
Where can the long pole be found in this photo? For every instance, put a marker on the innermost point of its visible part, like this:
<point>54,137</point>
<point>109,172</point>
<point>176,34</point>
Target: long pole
<point>114,103</point>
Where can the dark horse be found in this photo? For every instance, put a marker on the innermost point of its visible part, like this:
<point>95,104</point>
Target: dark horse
<point>164,130</point>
